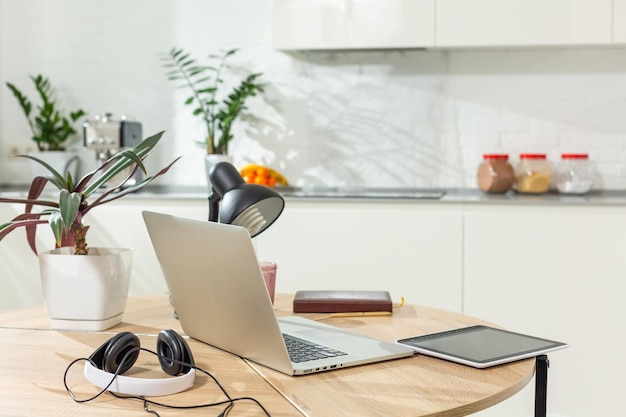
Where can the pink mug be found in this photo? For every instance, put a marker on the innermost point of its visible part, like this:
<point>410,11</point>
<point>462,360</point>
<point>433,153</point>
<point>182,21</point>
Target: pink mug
<point>269,275</point>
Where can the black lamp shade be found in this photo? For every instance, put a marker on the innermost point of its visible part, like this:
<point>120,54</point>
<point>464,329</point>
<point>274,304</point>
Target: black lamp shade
<point>252,206</point>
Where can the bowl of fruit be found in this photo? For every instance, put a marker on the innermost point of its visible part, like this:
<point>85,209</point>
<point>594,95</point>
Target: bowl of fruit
<point>262,175</point>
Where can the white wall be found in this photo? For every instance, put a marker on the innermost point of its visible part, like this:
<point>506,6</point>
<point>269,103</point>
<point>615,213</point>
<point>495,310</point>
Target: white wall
<point>394,118</point>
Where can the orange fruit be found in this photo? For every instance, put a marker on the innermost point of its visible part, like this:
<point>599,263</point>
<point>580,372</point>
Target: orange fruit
<point>262,172</point>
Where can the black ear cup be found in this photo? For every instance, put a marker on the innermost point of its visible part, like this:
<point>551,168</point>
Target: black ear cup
<point>111,353</point>
<point>118,347</point>
<point>172,347</point>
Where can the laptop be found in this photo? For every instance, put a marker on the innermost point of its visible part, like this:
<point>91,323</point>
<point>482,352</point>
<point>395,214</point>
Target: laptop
<point>220,298</point>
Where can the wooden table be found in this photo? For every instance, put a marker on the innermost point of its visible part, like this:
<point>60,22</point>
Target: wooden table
<point>33,359</point>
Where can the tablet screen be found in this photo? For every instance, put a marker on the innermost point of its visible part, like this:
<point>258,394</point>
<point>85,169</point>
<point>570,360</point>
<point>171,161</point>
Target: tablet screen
<point>481,346</point>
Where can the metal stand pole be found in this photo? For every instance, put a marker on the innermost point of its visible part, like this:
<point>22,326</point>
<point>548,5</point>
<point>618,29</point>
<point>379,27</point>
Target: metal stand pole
<point>541,385</point>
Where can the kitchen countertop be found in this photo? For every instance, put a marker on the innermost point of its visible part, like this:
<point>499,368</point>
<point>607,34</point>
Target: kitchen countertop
<point>452,195</point>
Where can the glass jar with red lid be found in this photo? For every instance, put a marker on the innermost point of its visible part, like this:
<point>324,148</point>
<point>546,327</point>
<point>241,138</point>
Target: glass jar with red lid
<point>574,174</point>
<point>533,173</point>
<point>495,174</point>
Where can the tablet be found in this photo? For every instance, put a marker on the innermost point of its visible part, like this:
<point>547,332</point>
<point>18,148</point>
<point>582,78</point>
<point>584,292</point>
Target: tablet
<point>481,346</point>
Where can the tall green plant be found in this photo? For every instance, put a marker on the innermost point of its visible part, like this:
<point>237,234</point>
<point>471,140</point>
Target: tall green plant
<point>204,82</point>
<point>65,216</point>
<point>50,128</point>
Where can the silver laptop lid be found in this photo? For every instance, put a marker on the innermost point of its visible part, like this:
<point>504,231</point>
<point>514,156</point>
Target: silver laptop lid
<point>199,260</point>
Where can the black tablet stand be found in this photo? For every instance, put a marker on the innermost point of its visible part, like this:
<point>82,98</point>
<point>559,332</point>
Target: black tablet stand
<point>541,385</point>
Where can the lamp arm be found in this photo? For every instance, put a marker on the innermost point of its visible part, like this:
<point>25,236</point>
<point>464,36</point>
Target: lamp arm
<point>214,206</point>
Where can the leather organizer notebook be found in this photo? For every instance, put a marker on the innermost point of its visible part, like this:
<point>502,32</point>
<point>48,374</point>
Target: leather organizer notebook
<point>341,301</point>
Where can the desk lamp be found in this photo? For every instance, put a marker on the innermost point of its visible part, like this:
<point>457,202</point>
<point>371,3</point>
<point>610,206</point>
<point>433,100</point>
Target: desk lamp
<point>252,206</point>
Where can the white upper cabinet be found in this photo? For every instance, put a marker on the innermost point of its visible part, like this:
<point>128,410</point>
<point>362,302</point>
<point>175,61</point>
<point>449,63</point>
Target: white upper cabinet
<point>468,23</point>
<point>395,24</point>
<point>352,24</point>
<point>619,21</point>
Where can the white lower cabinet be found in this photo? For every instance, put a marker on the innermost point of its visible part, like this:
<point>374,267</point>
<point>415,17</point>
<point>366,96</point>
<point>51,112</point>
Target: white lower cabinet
<point>412,250</point>
<point>558,272</point>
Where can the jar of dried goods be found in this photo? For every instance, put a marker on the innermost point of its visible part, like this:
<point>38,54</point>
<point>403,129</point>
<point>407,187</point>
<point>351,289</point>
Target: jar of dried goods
<point>533,173</point>
<point>574,173</point>
<point>495,174</point>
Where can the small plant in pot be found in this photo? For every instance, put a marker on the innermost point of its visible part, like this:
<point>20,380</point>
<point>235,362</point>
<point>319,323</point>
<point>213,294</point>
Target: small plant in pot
<point>205,82</point>
<point>51,128</point>
<point>104,297</point>
<point>219,109</point>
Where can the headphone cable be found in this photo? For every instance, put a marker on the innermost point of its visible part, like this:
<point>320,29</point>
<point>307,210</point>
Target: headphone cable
<point>230,402</point>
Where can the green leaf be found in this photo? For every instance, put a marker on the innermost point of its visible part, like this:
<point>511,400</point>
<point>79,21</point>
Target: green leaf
<point>117,163</point>
<point>69,203</point>
<point>58,227</point>
<point>194,72</point>
<point>110,196</point>
<point>22,99</point>
<point>182,58</point>
<point>202,80</point>
<point>76,115</point>
<point>56,178</point>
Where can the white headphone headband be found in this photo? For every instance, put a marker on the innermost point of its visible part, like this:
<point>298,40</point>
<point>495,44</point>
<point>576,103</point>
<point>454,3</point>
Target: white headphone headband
<point>139,386</point>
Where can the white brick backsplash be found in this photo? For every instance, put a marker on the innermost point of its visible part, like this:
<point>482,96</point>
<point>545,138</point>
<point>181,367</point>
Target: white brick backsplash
<point>378,118</point>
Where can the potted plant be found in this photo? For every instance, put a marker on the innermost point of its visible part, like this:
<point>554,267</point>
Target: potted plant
<point>50,127</point>
<point>74,299</point>
<point>217,109</point>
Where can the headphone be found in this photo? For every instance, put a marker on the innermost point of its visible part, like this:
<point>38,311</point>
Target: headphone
<point>117,355</point>
<point>105,366</point>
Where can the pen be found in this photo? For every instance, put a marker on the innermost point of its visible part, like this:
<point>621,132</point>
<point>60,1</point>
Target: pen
<point>362,314</point>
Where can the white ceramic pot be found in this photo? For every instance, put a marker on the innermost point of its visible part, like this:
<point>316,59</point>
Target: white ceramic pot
<point>85,292</point>
<point>210,160</point>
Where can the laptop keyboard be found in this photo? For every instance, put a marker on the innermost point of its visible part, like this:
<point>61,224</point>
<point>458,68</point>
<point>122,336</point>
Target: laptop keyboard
<point>303,350</point>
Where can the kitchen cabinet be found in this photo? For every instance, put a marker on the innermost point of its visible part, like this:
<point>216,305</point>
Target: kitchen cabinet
<point>412,250</point>
<point>619,21</point>
<point>556,272</point>
<point>493,23</point>
<point>352,24</point>
<point>390,24</point>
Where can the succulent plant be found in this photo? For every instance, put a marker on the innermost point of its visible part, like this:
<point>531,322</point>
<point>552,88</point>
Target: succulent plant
<point>66,215</point>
